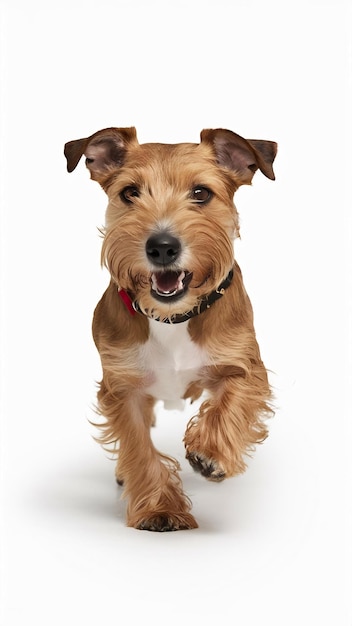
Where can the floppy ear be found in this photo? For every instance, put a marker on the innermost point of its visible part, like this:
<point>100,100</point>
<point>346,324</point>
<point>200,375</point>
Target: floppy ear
<point>105,150</point>
<point>243,156</point>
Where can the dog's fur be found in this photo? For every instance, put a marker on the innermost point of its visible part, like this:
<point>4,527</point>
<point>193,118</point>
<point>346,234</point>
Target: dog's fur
<point>184,192</point>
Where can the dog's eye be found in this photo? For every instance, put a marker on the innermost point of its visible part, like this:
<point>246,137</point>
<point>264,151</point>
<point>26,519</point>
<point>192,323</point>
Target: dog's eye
<point>129,193</point>
<point>201,194</point>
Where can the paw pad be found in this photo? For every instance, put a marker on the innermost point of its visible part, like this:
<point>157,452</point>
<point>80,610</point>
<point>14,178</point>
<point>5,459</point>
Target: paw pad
<point>209,468</point>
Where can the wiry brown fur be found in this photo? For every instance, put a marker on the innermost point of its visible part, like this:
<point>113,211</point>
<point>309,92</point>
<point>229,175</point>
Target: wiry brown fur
<point>231,419</point>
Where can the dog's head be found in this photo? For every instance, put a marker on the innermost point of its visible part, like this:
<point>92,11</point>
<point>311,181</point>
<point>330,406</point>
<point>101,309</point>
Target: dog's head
<point>170,221</point>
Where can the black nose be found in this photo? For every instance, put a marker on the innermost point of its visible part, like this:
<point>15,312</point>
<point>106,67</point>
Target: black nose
<point>162,248</point>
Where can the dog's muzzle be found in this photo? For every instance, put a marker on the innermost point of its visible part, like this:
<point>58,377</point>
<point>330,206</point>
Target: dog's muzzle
<point>163,251</point>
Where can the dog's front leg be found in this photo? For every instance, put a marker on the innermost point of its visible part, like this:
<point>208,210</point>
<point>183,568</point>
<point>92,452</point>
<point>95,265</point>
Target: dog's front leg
<point>151,482</point>
<point>229,423</point>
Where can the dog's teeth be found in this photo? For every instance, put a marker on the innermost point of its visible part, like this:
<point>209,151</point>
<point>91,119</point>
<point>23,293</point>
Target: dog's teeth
<point>167,283</point>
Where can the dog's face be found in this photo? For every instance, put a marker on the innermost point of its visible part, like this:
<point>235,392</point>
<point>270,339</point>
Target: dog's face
<point>170,221</point>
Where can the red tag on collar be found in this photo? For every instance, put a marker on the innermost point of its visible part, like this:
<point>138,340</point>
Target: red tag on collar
<point>127,301</point>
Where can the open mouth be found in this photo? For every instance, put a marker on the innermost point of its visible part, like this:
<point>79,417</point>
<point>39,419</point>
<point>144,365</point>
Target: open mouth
<point>170,285</point>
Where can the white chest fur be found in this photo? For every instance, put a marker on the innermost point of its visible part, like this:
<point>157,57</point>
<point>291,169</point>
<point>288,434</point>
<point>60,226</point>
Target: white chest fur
<point>173,361</point>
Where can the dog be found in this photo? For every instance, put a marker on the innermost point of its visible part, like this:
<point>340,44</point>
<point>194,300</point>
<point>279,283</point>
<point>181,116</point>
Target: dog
<point>175,322</point>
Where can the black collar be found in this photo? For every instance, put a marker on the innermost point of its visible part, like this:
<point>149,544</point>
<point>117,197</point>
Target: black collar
<point>204,304</point>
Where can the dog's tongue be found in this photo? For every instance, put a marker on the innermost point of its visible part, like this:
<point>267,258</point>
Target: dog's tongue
<point>168,282</point>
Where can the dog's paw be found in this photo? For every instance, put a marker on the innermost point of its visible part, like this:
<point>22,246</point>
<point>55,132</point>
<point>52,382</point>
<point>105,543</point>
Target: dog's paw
<point>165,522</point>
<point>209,468</point>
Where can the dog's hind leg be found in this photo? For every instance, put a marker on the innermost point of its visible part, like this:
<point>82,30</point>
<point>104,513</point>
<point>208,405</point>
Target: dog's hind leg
<point>151,481</point>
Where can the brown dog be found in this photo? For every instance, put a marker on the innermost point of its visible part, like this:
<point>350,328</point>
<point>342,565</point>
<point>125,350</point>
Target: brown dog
<point>175,320</point>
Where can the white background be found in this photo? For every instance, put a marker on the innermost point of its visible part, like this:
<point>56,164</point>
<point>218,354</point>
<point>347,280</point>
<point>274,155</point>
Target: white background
<point>273,545</point>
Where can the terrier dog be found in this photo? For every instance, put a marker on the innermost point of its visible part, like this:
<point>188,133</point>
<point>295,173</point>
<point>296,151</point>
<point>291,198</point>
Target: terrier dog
<point>175,320</point>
